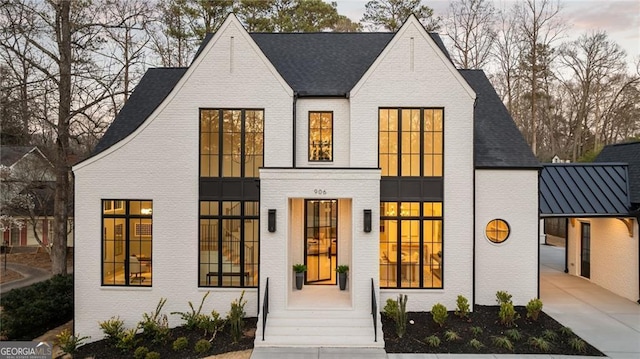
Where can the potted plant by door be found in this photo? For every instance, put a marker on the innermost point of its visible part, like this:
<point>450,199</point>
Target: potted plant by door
<point>299,269</point>
<point>342,271</point>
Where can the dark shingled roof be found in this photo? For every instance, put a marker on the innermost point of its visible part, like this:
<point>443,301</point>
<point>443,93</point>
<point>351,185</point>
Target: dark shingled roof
<point>152,89</point>
<point>330,64</point>
<point>630,154</point>
<point>584,189</point>
<point>498,142</point>
<point>12,154</point>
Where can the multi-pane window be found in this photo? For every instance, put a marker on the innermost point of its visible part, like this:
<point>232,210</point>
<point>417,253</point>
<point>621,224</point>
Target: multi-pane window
<point>127,237</point>
<point>229,237</point>
<point>321,136</point>
<point>231,142</point>
<point>411,245</point>
<point>411,142</point>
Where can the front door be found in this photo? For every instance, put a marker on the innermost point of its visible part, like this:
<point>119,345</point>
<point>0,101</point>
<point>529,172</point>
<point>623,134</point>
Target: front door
<point>585,250</point>
<point>321,240</point>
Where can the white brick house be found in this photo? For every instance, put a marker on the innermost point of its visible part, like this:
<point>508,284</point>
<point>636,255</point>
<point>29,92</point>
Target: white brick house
<point>365,149</point>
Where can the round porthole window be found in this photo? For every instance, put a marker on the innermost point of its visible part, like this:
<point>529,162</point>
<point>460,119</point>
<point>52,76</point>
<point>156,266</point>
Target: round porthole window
<point>497,231</point>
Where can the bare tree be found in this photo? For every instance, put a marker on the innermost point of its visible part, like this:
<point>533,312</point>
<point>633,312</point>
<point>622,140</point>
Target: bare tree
<point>540,27</point>
<point>471,27</point>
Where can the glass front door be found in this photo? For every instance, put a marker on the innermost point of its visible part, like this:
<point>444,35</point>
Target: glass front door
<point>321,241</point>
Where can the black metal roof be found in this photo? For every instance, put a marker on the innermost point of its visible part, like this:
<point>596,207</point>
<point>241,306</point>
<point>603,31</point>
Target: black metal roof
<point>584,189</point>
<point>498,141</point>
<point>153,88</point>
<point>628,153</point>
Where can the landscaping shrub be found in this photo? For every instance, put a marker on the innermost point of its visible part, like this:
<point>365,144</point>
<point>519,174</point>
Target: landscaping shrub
<point>112,329</point>
<point>534,307</point>
<point>192,319</point>
<point>180,344</point>
<point>391,308</point>
<point>513,334</point>
<point>140,353</point>
<point>451,336</point>
<point>540,343</point>
<point>400,317</point>
<point>462,310</point>
<point>439,314</point>
<point>503,342</point>
<point>433,341</point>
<point>155,326</point>
<point>476,330</point>
<point>68,342</point>
<point>152,355</point>
<point>549,334</point>
<point>235,318</point>
<point>475,344</point>
<point>211,324</point>
<point>128,340</point>
<point>202,346</point>
<point>507,314</point>
<point>31,311</point>
<point>578,344</point>
<point>503,297</point>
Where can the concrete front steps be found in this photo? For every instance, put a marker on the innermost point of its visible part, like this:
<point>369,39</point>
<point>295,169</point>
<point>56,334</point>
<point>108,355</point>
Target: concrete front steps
<point>319,328</point>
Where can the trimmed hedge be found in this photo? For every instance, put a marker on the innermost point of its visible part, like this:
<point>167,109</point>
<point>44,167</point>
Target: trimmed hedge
<point>31,311</point>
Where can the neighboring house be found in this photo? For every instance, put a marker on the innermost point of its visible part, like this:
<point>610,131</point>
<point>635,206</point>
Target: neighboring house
<point>601,202</point>
<point>28,184</point>
<point>365,149</point>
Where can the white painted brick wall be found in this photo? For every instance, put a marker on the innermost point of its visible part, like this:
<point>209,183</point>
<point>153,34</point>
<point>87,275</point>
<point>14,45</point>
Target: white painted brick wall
<point>340,108</point>
<point>511,195</point>
<point>432,83</point>
<point>159,161</point>
<point>614,255</point>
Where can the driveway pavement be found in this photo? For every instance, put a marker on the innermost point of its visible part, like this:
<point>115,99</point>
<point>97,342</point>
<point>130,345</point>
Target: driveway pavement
<point>30,275</point>
<point>607,321</point>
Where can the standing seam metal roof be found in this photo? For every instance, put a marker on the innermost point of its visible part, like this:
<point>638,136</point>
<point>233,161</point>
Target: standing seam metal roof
<point>585,189</point>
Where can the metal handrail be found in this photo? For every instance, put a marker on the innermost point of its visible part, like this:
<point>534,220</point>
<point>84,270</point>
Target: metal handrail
<point>374,311</point>
<point>265,308</point>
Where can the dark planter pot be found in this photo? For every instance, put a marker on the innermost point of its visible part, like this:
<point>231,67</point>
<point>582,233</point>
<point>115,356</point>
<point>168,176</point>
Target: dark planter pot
<point>299,280</point>
<point>342,280</point>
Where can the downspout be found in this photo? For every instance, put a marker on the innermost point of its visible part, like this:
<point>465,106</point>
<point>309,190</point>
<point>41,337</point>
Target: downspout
<point>566,244</point>
<point>473,142</point>
<point>295,101</point>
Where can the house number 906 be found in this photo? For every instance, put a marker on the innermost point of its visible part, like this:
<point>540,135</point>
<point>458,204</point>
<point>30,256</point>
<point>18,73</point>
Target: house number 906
<point>320,191</point>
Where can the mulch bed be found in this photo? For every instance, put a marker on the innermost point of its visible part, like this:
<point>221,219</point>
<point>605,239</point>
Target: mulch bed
<point>221,344</point>
<point>485,317</point>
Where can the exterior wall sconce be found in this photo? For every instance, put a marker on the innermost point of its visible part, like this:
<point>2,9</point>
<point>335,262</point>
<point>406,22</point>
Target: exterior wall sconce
<point>272,220</point>
<point>367,220</point>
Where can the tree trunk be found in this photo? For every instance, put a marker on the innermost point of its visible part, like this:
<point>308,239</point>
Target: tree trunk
<point>62,192</point>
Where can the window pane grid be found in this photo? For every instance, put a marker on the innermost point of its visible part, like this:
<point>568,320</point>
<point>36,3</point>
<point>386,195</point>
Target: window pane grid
<point>320,136</point>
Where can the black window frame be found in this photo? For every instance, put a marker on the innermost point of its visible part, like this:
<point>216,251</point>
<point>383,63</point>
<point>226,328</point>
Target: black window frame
<point>220,239</point>
<point>421,218</point>
<point>127,216</point>
<point>309,130</point>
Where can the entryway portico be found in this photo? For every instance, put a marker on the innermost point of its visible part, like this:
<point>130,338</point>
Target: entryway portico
<point>318,222</point>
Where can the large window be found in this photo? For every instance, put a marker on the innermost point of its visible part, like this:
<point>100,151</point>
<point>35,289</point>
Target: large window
<point>127,237</point>
<point>411,245</point>
<point>231,142</point>
<point>321,136</point>
<point>411,142</point>
<point>229,237</point>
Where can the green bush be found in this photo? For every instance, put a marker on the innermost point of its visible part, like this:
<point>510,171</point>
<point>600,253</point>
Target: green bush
<point>154,325</point>
<point>534,307</point>
<point>140,353</point>
<point>433,341</point>
<point>507,314</point>
<point>475,344</point>
<point>540,343</point>
<point>476,330</point>
<point>400,317</point>
<point>462,310</point>
<point>180,344</point>
<point>192,318</point>
<point>513,334</point>
<point>503,297</point>
<point>68,342</point>
<point>502,342</point>
<point>128,340</point>
<point>451,336</point>
<point>578,344</point>
<point>152,355</point>
<point>31,311</point>
<point>439,314</point>
<point>211,324</point>
<point>202,346</point>
<point>112,329</point>
<point>235,318</point>
<point>549,334</point>
<point>391,308</point>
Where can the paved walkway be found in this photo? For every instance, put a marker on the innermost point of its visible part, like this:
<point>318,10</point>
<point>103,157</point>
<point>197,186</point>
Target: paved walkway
<point>30,275</point>
<point>607,321</point>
